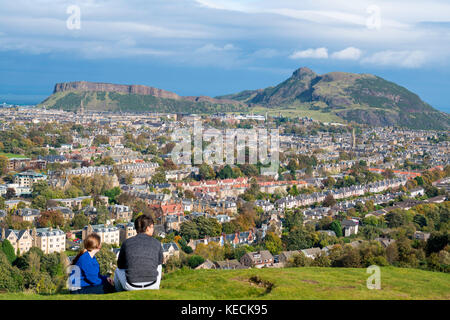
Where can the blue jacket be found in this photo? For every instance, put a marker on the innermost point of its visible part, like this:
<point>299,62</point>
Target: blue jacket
<point>90,271</point>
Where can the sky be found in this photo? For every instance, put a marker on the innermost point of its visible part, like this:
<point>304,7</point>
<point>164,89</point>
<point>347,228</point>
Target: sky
<point>216,47</point>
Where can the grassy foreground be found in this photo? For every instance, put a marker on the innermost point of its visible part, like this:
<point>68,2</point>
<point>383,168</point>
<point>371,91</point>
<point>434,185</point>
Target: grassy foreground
<point>288,283</point>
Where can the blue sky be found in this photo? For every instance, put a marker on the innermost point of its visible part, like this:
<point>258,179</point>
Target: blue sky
<point>212,47</point>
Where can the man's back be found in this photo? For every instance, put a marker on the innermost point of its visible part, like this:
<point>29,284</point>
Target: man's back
<point>140,257</point>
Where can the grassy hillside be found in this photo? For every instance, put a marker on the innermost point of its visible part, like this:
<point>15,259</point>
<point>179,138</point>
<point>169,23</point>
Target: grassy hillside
<point>285,284</point>
<point>115,101</point>
<point>363,98</point>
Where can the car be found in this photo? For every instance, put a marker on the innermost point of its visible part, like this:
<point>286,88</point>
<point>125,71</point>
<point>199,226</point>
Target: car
<point>74,248</point>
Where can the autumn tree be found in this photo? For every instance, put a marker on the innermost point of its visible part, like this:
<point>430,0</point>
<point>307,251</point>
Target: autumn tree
<point>50,218</point>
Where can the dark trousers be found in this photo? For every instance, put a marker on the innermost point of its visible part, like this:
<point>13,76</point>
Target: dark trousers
<point>106,287</point>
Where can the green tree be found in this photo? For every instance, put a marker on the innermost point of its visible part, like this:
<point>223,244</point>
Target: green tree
<point>159,178</point>
<point>2,203</point>
<point>11,278</point>
<point>8,250</point>
<point>273,243</point>
<point>299,260</point>
<point>226,172</point>
<point>298,239</point>
<point>106,259</point>
<point>206,172</point>
<point>79,221</point>
<point>3,164</point>
<point>195,260</point>
<point>337,228</point>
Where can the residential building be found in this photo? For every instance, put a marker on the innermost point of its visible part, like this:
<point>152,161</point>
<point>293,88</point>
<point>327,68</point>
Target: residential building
<point>49,240</point>
<point>108,234</point>
<point>126,231</point>
<point>170,250</point>
<point>21,240</point>
<point>257,259</point>
<point>28,178</point>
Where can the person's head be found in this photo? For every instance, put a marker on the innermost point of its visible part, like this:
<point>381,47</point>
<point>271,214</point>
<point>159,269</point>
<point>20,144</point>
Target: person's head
<point>144,224</point>
<point>91,244</point>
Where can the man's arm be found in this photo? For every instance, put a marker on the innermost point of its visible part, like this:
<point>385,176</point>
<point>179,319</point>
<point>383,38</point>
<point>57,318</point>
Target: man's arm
<point>121,260</point>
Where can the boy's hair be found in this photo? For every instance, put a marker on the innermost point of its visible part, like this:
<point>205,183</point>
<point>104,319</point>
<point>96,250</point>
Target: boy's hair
<point>142,222</point>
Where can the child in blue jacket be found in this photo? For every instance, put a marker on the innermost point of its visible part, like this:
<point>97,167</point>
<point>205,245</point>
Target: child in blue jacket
<point>91,281</point>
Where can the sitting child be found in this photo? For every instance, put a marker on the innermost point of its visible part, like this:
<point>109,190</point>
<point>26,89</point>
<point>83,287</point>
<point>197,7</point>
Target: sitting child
<point>91,281</point>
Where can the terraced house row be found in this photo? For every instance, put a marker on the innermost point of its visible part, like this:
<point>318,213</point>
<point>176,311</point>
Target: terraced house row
<point>49,240</point>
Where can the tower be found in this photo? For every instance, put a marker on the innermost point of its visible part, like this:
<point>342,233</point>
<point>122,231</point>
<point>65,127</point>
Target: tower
<point>353,139</point>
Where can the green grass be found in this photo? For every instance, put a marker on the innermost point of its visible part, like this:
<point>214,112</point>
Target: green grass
<point>288,283</point>
<point>11,155</point>
<point>297,110</point>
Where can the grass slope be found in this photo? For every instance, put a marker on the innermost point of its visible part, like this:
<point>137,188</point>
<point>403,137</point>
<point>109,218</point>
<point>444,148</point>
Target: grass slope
<point>12,155</point>
<point>285,284</point>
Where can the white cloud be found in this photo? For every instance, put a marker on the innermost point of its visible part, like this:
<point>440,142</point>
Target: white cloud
<point>319,53</point>
<point>183,29</point>
<point>350,53</point>
<point>405,59</point>
<point>266,53</point>
<point>213,48</point>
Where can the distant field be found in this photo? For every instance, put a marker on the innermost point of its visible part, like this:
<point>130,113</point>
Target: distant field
<point>11,155</point>
<point>298,111</point>
<point>283,284</point>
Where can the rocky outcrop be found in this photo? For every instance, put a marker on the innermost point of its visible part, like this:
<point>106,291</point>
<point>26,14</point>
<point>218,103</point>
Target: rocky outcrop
<point>85,86</point>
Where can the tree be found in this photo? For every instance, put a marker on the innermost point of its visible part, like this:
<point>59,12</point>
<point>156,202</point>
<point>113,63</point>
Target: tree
<point>350,258</point>
<point>10,193</point>
<point>226,172</point>
<point>52,219</point>
<point>213,251</point>
<point>106,259</point>
<point>437,242</point>
<point>206,172</point>
<point>195,260</point>
<point>298,239</point>
<point>336,227</point>
<point>250,170</point>
<point>100,139</point>
<point>273,243</point>
<point>80,220</point>
<point>420,220</point>
<point>2,203</point>
<point>188,230</point>
<point>392,253</point>
<point>3,164</point>
<point>112,194</point>
<point>329,201</point>
<point>321,260</point>
<point>293,219</point>
<point>396,218</point>
<point>329,182</point>
<point>10,277</point>
<point>299,260</point>
<point>159,178</point>
<point>8,250</point>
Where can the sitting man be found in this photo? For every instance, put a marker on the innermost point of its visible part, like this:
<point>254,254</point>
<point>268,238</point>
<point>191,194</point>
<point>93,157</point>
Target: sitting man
<point>139,266</point>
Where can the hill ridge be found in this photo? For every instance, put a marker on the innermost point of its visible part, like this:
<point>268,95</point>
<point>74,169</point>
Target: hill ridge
<point>342,96</point>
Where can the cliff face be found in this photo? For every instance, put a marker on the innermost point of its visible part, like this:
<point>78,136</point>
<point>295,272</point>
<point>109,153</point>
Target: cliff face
<point>85,86</point>
<point>96,96</point>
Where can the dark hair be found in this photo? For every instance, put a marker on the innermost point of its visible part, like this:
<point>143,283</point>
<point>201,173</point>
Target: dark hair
<point>142,222</point>
<point>91,242</point>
